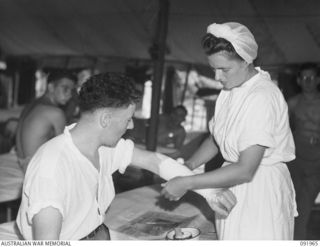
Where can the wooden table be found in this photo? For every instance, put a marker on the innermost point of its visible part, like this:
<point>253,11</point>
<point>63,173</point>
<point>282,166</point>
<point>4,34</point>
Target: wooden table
<point>127,211</point>
<point>134,204</point>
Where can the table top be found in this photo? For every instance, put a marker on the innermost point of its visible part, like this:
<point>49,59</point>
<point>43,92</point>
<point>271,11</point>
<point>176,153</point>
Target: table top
<point>10,231</point>
<point>11,178</point>
<point>142,214</point>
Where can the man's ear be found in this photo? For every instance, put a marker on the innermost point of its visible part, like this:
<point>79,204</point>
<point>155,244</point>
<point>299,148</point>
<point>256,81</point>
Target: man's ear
<point>105,118</point>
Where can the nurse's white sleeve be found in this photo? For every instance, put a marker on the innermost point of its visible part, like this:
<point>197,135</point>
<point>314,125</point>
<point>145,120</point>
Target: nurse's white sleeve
<point>257,121</point>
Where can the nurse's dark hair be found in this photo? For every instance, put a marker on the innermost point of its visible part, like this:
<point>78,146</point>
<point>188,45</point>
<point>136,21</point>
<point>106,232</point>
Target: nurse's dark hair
<point>114,90</point>
<point>212,44</point>
<point>309,66</point>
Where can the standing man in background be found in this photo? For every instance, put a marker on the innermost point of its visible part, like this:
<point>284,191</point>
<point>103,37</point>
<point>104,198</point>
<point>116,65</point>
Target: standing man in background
<point>305,123</point>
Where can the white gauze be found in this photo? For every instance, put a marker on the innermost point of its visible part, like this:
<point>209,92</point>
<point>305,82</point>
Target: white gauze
<point>239,36</point>
<point>169,168</point>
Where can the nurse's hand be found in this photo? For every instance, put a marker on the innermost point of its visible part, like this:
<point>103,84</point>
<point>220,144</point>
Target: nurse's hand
<point>189,165</point>
<point>175,188</point>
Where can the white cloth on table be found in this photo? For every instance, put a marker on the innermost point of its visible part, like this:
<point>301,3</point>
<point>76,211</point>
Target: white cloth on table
<point>11,177</point>
<point>256,114</point>
<point>61,177</point>
<point>9,231</point>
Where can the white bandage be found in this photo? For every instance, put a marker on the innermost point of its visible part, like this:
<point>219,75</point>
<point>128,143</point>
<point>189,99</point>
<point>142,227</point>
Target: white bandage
<point>219,199</point>
<point>169,168</point>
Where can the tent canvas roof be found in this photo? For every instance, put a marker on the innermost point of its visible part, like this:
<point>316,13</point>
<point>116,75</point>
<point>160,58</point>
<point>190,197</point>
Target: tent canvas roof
<point>286,31</point>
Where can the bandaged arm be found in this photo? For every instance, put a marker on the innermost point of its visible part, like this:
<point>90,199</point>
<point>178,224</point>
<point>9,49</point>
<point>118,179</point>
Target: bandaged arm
<point>220,200</point>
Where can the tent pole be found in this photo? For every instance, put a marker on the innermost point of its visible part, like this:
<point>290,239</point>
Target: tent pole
<point>186,84</point>
<point>16,83</point>
<point>167,100</point>
<point>159,49</point>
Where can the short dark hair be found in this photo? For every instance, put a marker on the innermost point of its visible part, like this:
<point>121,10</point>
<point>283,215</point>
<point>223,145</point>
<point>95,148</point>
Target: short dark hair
<point>107,90</point>
<point>212,44</point>
<point>309,66</point>
<point>57,75</point>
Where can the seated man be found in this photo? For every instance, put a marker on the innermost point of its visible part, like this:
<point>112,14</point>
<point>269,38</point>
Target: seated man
<point>171,132</point>
<point>43,119</point>
<point>68,186</point>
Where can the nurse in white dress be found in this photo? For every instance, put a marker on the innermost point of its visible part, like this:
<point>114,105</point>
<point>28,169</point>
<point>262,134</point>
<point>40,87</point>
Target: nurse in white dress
<point>251,128</point>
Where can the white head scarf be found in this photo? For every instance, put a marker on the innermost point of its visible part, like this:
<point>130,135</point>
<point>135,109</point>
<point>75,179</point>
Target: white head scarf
<point>239,36</point>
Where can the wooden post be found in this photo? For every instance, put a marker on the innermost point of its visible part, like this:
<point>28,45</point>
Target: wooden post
<point>167,104</point>
<point>158,55</point>
<point>186,82</point>
<point>16,83</point>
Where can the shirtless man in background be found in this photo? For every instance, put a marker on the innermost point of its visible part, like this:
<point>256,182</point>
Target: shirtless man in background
<point>305,123</point>
<point>43,119</point>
